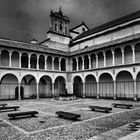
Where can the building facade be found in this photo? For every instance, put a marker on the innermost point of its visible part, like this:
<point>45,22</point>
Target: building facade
<point>103,62</point>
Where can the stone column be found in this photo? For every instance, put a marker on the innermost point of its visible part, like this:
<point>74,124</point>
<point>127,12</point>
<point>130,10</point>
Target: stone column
<point>53,92</point>
<point>20,60</point>
<point>104,59</point>
<point>37,61</point>
<point>77,65</point>
<point>98,90</point>
<point>37,90</point>
<point>133,50</point>
<point>59,64</point>
<point>10,59</point>
<point>19,96</point>
<point>96,60</point>
<point>115,93</point>
<point>45,63</point>
<point>135,90</point>
<point>53,63</point>
<point>113,58</point>
<point>29,62</point>
<point>122,56</point>
<point>84,90</point>
<point>83,63</point>
<point>89,57</point>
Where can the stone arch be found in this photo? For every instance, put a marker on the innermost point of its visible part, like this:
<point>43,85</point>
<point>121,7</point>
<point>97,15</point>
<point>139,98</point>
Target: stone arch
<point>100,60</point>
<point>128,55</point>
<point>74,64</point>
<point>45,87</point>
<point>28,83</point>
<point>59,86</point>
<point>109,58</point>
<point>24,60</point>
<point>137,53</point>
<point>78,86</point>
<point>106,86</point>
<point>80,63</point>
<point>56,63</point>
<point>118,56</point>
<point>8,85</point>
<point>33,61</point>
<point>15,59</point>
<point>63,64</point>
<point>41,62</point>
<point>49,63</point>
<point>90,86</point>
<point>93,61</point>
<point>4,58</point>
<point>124,85</point>
<point>86,62</point>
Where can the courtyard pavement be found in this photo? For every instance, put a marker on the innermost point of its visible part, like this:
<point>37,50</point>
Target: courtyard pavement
<point>123,124</point>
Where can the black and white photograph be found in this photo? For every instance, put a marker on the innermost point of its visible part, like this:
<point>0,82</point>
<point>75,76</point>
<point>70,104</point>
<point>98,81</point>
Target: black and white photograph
<point>69,69</point>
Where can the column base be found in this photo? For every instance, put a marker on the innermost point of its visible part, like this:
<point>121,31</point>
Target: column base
<point>135,98</point>
<point>114,98</point>
<point>98,97</point>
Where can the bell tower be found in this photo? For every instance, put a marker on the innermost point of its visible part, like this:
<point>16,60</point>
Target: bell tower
<point>59,23</point>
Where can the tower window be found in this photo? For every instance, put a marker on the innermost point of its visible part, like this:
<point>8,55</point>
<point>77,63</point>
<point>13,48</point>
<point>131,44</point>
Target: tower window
<point>61,27</point>
<point>83,29</point>
<point>55,27</point>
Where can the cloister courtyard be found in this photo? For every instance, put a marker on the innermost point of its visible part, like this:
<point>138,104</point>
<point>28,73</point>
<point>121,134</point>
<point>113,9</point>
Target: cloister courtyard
<point>117,124</point>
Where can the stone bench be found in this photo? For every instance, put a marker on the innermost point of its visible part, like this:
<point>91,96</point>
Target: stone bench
<point>100,108</point>
<point>9,108</point>
<point>26,113</point>
<point>68,115</point>
<point>3,105</point>
<point>122,105</point>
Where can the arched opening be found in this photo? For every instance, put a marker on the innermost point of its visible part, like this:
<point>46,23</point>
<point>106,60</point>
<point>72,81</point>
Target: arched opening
<point>137,53</point>
<point>80,63</point>
<point>33,61</point>
<point>90,86</point>
<point>74,64</point>
<point>138,86</point>
<point>45,87</point>
<point>100,60</point>
<point>56,63</point>
<point>8,85</point>
<point>49,63</point>
<point>63,64</point>
<point>128,58</point>
<point>59,86</point>
<point>24,60</point>
<point>15,59</point>
<point>41,62</point>
<point>93,61</point>
<point>106,86</point>
<point>109,58</point>
<point>118,56</point>
<point>86,62</point>
<point>78,87</point>
<point>29,85</point>
<point>124,85</point>
<point>4,58</point>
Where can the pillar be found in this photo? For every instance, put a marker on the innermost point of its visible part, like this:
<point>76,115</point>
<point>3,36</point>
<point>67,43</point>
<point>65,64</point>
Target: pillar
<point>122,56</point>
<point>53,91</point>
<point>96,60</point>
<point>45,63</point>
<point>77,65</point>
<point>10,59</point>
<point>29,65</point>
<point>37,61</point>
<point>98,91</point>
<point>84,90</point>
<point>53,63</point>
<point>59,64</point>
<point>19,97</point>
<point>135,90</point>
<point>104,59</point>
<point>115,93</point>
<point>37,90</point>
<point>89,57</point>
<point>20,60</point>
<point>83,63</point>
<point>133,51</point>
<point>113,58</point>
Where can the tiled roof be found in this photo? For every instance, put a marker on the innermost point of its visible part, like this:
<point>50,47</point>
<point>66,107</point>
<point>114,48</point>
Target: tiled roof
<point>113,23</point>
<point>31,47</point>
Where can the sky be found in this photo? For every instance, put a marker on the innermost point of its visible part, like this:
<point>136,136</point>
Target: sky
<point>24,20</point>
